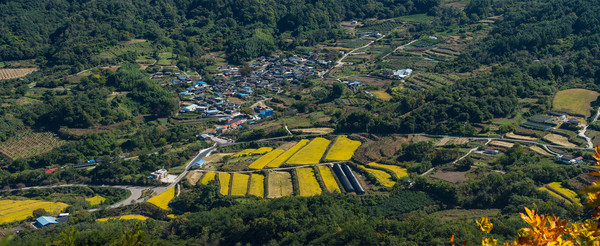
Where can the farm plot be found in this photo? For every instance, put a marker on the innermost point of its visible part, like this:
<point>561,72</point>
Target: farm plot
<point>13,73</point>
<point>96,200</point>
<point>382,95</point>
<point>311,153</point>
<point>208,177</point>
<point>224,183</point>
<point>382,177</point>
<point>162,200</point>
<point>261,151</point>
<point>15,210</point>
<point>342,149</point>
<point>244,152</point>
<point>451,141</point>
<point>280,184</point>
<point>515,136</point>
<point>125,217</point>
<point>559,140</point>
<point>398,171</point>
<point>287,154</point>
<point>569,194</point>
<point>575,101</point>
<point>309,186</point>
<point>540,150</point>
<point>30,144</point>
<point>502,144</point>
<point>554,194</point>
<point>193,177</point>
<point>239,184</point>
<point>265,159</point>
<point>257,185</point>
<point>328,179</point>
<point>317,130</point>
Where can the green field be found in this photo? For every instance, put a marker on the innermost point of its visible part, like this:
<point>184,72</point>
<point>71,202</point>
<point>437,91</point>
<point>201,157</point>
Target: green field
<point>419,18</point>
<point>575,101</point>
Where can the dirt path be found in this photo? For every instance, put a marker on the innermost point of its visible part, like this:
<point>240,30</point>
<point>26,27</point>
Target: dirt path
<point>401,47</point>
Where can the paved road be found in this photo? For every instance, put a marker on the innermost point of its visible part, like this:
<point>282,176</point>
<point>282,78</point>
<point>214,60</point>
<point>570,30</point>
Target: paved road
<point>582,131</point>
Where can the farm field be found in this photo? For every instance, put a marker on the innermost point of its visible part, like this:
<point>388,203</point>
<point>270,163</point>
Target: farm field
<point>265,159</point>
<point>398,171</point>
<point>307,182</point>
<point>280,184</point>
<point>382,95</point>
<point>15,210</point>
<point>244,152</point>
<point>540,150</point>
<point>287,154</point>
<point>257,185</point>
<point>224,183</point>
<point>193,177</point>
<point>382,177</point>
<point>515,136</point>
<point>451,140</point>
<point>13,73</point>
<point>571,195</point>
<point>311,153</point>
<point>328,179</point>
<point>261,151</point>
<point>239,184</point>
<point>558,140</point>
<point>317,130</point>
<point>162,200</point>
<point>96,200</point>
<point>501,144</point>
<point>30,144</point>
<point>125,217</point>
<point>208,177</point>
<point>575,101</point>
<point>342,149</point>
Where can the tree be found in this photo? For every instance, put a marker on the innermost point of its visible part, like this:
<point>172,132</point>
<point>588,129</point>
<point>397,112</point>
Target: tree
<point>39,212</point>
<point>337,90</point>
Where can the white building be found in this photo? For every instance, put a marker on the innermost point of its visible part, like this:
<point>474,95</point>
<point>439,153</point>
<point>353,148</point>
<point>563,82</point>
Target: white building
<point>403,73</point>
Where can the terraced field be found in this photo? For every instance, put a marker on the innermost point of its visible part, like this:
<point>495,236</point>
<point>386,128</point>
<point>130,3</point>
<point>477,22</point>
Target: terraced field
<point>239,184</point>
<point>342,149</point>
<point>307,182</point>
<point>257,185</point>
<point>571,195</point>
<point>398,171</point>
<point>287,154</point>
<point>224,183</point>
<point>13,73</point>
<point>265,159</point>
<point>382,177</point>
<point>311,153</point>
<point>30,144</point>
<point>16,210</point>
<point>162,200</point>
<point>328,179</point>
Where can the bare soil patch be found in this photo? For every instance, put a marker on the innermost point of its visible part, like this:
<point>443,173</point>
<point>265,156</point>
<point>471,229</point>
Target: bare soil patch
<point>317,130</point>
<point>280,184</point>
<point>502,144</point>
<point>451,176</point>
<point>451,140</point>
<point>370,80</point>
<point>515,136</point>
<point>193,177</point>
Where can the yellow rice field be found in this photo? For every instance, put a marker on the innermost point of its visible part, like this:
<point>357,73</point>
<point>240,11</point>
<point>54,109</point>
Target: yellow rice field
<point>162,200</point>
<point>399,171</point>
<point>287,154</point>
<point>311,153</point>
<point>15,210</point>
<point>239,184</point>
<point>382,177</point>
<point>554,194</point>
<point>261,151</point>
<point>257,185</point>
<point>244,152</point>
<point>328,179</point>
<point>126,217</point>
<point>265,159</point>
<point>566,192</point>
<point>342,149</point>
<point>96,200</point>
<point>307,182</point>
<point>224,183</point>
<point>208,177</point>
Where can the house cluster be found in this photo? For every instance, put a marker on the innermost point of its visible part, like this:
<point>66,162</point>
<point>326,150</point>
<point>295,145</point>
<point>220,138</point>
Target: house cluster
<point>569,159</point>
<point>177,77</point>
<point>370,34</point>
<point>398,74</point>
<point>552,119</point>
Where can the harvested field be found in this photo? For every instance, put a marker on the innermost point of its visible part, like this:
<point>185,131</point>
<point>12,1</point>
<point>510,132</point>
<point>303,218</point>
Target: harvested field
<point>575,101</point>
<point>95,200</point>
<point>398,171</point>
<point>452,177</point>
<point>515,136</point>
<point>280,184</point>
<point>307,182</point>
<point>342,149</point>
<point>193,177</point>
<point>311,153</point>
<point>15,210</point>
<point>30,144</point>
<point>451,141</point>
<point>287,154</point>
<point>215,157</point>
<point>318,130</point>
<point>265,159</point>
<point>328,179</point>
<point>162,200</point>
<point>558,140</point>
<point>501,144</point>
<point>286,146</point>
<point>208,177</point>
<point>374,149</point>
<point>224,183</point>
<point>382,177</point>
<point>382,95</point>
<point>13,73</point>
<point>257,185</point>
<point>540,150</point>
<point>239,184</point>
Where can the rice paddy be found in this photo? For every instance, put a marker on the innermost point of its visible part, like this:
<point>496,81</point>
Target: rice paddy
<point>287,154</point>
<point>308,184</point>
<point>398,171</point>
<point>162,200</point>
<point>224,183</point>
<point>96,200</point>
<point>239,184</point>
<point>342,149</point>
<point>265,159</point>
<point>382,177</point>
<point>311,153</point>
<point>261,151</point>
<point>208,177</point>
<point>257,185</point>
<point>15,210</point>
<point>125,217</point>
<point>328,179</point>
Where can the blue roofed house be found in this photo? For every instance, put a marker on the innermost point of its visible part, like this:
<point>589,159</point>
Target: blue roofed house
<point>44,221</point>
